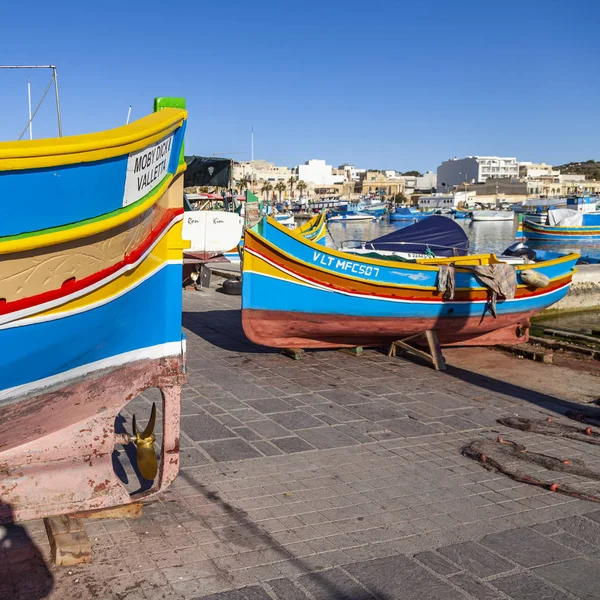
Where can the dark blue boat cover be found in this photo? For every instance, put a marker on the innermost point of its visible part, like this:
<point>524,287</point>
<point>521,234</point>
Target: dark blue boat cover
<point>441,235</point>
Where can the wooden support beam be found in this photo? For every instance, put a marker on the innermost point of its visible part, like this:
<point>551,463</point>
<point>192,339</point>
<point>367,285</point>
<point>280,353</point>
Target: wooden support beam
<point>356,351</point>
<point>434,356</point>
<point>127,511</point>
<point>295,353</point>
<point>69,542</point>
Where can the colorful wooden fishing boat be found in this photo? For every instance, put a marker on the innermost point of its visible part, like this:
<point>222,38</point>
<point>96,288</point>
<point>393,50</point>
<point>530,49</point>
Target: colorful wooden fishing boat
<point>297,294</point>
<point>588,230</point>
<point>315,229</point>
<point>90,314</point>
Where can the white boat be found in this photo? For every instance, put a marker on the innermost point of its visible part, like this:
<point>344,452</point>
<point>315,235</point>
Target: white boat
<point>286,219</point>
<point>493,215</point>
<point>353,216</point>
<point>211,232</point>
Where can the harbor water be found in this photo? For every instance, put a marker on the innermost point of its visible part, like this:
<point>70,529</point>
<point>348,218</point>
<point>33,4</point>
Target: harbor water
<point>491,236</point>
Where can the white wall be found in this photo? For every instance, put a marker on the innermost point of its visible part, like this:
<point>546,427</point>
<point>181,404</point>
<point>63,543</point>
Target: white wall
<point>317,172</point>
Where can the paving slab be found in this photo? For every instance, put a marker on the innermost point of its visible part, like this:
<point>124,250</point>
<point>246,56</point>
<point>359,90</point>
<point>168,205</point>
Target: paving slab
<point>334,475</point>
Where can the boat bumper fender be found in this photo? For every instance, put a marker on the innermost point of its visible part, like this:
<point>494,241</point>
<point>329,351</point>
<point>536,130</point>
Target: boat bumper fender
<point>534,278</point>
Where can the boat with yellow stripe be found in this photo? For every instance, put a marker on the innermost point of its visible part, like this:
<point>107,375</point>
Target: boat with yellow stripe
<point>90,310</point>
<point>315,230</point>
<point>298,294</point>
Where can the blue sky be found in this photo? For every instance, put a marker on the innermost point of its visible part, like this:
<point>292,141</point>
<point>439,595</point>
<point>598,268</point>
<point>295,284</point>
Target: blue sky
<point>391,84</point>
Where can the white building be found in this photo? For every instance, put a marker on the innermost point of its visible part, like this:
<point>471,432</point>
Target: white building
<point>529,170</point>
<point>317,172</point>
<point>427,181</point>
<point>351,172</point>
<point>261,170</point>
<point>391,174</point>
<point>475,169</point>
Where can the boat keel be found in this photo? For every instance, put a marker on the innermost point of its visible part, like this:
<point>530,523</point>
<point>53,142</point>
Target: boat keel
<point>67,466</point>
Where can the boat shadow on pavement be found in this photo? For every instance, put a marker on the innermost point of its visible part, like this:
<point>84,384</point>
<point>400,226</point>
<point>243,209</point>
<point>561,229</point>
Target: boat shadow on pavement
<point>223,328</point>
<point>322,583</point>
<point>24,574</point>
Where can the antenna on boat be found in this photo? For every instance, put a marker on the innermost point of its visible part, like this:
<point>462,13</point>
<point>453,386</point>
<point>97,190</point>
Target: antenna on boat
<point>54,81</point>
<point>128,115</point>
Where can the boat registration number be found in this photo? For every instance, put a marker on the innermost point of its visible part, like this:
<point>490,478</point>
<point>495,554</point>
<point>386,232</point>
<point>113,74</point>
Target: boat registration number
<point>344,265</point>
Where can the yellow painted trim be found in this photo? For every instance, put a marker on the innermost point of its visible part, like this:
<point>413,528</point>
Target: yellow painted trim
<point>411,266</point>
<point>261,266</point>
<point>75,233</point>
<point>383,263</point>
<point>54,152</point>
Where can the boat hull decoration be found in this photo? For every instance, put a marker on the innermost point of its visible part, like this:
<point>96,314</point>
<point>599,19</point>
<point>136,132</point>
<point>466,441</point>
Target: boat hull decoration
<point>90,310</point>
<point>297,294</point>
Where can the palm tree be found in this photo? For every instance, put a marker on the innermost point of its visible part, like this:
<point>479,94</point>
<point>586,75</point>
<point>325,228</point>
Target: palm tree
<point>280,187</point>
<point>301,186</point>
<point>291,181</point>
<point>266,188</point>
<point>243,183</point>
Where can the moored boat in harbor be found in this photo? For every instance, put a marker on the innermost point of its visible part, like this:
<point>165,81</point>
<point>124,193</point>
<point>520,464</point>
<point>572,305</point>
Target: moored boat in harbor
<point>492,215</point>
<point>90,314</point>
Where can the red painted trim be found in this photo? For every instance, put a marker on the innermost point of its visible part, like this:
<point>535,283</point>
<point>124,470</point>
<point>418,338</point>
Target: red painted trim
<point>74,285</point>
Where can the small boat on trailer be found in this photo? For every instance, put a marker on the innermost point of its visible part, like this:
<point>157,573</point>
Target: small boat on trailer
<point>90,314</point>
<point>297,294</point>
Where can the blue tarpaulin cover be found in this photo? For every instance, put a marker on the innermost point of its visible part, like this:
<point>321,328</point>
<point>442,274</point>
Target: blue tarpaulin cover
<point>443,236</point>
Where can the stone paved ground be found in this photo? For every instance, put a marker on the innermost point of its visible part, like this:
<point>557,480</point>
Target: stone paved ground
<point>337,477</point>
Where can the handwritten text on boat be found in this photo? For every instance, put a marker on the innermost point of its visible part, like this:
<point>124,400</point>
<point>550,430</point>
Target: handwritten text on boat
<point>145,170</point>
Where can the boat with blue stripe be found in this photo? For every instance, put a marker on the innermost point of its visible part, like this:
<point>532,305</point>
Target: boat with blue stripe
<point>90,314</point>
<point>297,294</point>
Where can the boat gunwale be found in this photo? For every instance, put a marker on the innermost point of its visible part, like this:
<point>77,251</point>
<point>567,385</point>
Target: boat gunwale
<point>559,282</point>
<point>90,147</point>
<point>408,266</point>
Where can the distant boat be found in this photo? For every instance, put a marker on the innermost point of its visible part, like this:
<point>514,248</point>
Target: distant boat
<point>564,225</point>
<point>406,214</point>
<point>347,217</point>
<point>493,215</point>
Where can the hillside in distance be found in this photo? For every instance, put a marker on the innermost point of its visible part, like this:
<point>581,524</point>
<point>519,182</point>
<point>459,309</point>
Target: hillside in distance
<point>589,168</point>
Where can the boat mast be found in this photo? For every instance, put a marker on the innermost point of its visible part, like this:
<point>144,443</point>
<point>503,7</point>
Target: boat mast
<point>252,162</point>
<point>29,107</point>
<point>53,80</point>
